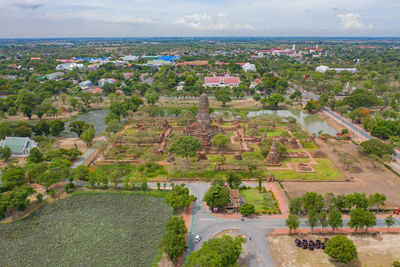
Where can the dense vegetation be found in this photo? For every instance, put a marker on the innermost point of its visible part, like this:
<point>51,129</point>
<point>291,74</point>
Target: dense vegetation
<point>97,229</point>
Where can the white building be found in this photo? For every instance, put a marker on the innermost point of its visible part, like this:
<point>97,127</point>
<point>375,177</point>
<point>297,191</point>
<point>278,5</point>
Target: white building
<point>180,86</point>
<point>323,69</point>
<point>69,66</point>
<point>103,81</point>
<point>85,85</point>
<point>249,67</point>
<point>19,146</point>
<point>130,58</point>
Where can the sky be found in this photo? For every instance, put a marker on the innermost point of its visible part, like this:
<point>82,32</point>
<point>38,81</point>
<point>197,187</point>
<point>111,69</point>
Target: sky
<point>202,18</point>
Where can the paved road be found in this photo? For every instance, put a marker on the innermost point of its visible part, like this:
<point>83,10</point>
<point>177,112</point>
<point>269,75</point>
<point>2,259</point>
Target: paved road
<point>207,226</point>
<point>345,121</point>
<point>87,154</point>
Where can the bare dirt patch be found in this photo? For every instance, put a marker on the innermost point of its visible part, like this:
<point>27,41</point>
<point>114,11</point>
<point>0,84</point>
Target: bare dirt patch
<point>240,103</point>
<point>373,250</point>
<point>69,143</point>
<point>365,178</point>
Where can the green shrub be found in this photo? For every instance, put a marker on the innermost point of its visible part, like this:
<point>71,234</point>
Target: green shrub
<point>39,197</point>
<point>341,249</point>
<point>396,263</point>
<point>52,192</point>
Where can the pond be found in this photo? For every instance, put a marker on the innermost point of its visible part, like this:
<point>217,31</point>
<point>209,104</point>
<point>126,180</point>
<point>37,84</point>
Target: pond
<point>311,122</point>
<point>95,117</point>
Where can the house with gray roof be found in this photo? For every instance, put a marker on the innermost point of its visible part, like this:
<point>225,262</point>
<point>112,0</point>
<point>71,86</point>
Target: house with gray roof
<point>20,146</point>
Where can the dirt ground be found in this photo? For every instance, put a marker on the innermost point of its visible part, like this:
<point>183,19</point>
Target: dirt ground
<point>365,178</point>
<point>373,250</point>
<point>240,103</point>
<point>69,143</point>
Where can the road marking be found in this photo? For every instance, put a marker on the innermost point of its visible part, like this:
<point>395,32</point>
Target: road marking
<point>207,219</point>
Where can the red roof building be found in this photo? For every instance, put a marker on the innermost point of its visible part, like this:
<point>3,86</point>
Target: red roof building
<point>221,81</point>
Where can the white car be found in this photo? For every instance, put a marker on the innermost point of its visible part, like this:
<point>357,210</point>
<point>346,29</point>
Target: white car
<point>197,238</point>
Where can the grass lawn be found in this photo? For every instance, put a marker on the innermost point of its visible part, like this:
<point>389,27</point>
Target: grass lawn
<point>128,170</point>
<point>260,200</point>
<point>310,146</point>
<point>88,229</point>
<point>325,170</point>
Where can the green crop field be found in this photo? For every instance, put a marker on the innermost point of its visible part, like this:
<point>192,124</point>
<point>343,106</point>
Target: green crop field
<point>88,229</point>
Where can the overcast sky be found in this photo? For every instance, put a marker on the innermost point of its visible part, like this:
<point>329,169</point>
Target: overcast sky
<point>149,18</point>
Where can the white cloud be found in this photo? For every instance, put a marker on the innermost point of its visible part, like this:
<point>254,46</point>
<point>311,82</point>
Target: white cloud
<point>207,22</point>
<point>352,21</point>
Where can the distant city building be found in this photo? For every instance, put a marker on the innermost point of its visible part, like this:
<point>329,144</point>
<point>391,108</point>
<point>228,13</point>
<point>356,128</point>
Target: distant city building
<point>85,85</point>
<point>130,58</point>
<point>193,63</point>
<point>54,75</point>
<point>127,75</point>
<point>103,81</point>
<point>249,67</point>
<point>255,83</point>
<point>168,58</point>
<point>9,77</point>
<point>158,63</point>
<point>20,146</point>
<point>323,69</point>
<point>95,91</point>
<point>94,66</point>
<point>69,66</point>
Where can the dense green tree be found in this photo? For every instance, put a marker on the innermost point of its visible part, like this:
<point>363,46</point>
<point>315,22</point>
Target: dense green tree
<point>377,148</point>
<point>273,100</point>
<point>217,252</point>
<point>78,127</point>
<point>151,97</point>
<point>42,128</point>
<point>80,173</point>
<point>217,196</point>
<point>312,219</point>
<point>312,105</point>
<point>234,180</point>
<point>88,135</point>
<point>5,153</point>
<point>341,249</point>
<point>292,222</point>
<point>56,127</point>
<point>220,140</point>
<point>174,242</point>
<point>12,177</point>
<point>180,197</point>
<point>223,95</point>
<point>247,209</point>
<point>35,156</point>
<point>335,219</point>
<point>185,146</point>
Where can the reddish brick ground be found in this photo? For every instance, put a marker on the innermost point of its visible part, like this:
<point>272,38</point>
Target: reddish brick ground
<point>285,231</point>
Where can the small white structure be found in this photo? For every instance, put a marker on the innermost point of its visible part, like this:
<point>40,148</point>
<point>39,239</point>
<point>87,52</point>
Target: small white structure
<point>180,86</point>
<point>20,146</point>
<point>85,85</point>
<point>249,67</point>
<point>323,69</point>
<point>69,66</point>
<point>103,81</point>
